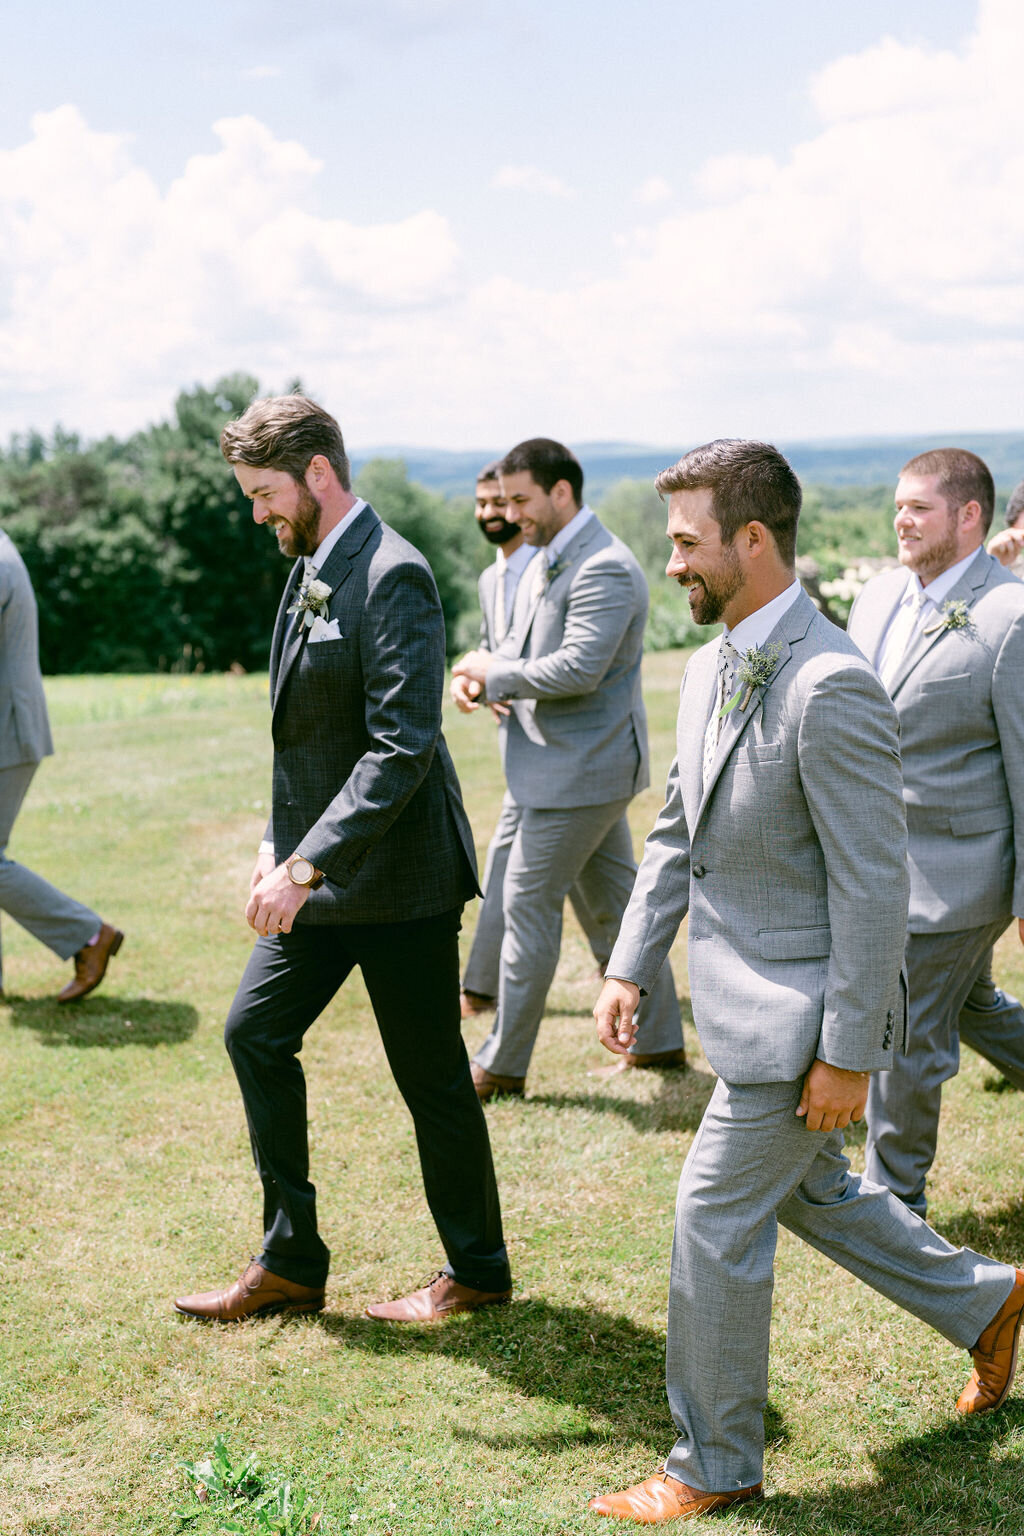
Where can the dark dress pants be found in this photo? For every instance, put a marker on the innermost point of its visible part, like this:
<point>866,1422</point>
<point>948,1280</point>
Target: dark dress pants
<point>411,971</point>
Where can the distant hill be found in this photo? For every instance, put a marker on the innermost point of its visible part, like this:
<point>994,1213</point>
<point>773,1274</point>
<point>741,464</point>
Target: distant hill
<point>829,461</point>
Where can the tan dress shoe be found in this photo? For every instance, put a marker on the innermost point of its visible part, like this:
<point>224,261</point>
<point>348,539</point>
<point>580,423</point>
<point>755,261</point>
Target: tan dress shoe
<point>438,1299</point>
<point>489,1085</point>
<point>666,1498</point>
<point>91,964</point>
<point>471,1004</point>
<point>637,1061</point>
<point>995,1356</point>
<point>255,1293</point>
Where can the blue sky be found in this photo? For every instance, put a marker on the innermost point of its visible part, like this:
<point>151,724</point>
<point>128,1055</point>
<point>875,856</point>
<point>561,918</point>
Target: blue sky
<point>461,222</point>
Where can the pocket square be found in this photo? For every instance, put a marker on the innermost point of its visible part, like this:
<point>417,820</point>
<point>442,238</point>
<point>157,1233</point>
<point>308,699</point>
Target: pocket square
<point>321,629</point>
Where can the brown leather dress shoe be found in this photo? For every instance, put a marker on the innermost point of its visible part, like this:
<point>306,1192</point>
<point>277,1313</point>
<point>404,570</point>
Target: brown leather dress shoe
<point>439,1298</point>
<point>666,1498</point>
<point>91,964</point>
<point>636,1060</point>
<point>489,1085</point>
<point>255,1293</point>
<point>995,1356</point>
<point>473,1003</point>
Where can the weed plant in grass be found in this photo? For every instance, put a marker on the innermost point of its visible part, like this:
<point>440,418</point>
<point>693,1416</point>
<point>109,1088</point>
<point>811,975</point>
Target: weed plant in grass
<point>127,1180</point>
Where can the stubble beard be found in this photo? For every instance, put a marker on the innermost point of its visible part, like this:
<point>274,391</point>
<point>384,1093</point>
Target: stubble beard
<point>300,535</point>
<point>929,563</point>
<point>713,594</point>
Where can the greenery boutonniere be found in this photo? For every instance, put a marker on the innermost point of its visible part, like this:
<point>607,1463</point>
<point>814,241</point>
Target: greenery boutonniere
<point>754,671</point>
<point>954,614</point>
<point>555,570</point>
<point>311,602</point>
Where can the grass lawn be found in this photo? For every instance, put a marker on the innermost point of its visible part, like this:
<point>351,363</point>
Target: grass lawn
<point>127,1180</point>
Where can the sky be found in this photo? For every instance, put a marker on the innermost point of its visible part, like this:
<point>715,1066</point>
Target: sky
<point>465,222</point>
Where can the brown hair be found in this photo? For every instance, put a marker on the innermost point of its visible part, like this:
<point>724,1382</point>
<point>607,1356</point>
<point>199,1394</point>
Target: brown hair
<point>286,432</point>
<point>546,462</point>
<point>963,477</point>
<point>749,482</point>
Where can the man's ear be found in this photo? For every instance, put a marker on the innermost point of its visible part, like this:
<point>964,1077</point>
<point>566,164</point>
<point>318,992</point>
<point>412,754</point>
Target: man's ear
<point>561,494</point>
<point>757,538</point>
<point>317,472</point>
<point>970,516</point>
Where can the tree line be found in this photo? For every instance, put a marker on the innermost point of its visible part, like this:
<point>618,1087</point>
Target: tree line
<point>145,558</point>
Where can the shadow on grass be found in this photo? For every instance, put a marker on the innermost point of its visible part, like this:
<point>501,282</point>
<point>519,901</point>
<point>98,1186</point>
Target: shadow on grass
<point>997,1234</point>
<point>681,1100</point>
<point>966,1476</point>
<point>596,1361</point>
<point>103,1019</point>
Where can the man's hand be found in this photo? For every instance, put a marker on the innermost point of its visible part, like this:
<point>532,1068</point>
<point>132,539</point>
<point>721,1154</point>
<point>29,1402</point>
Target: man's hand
<point>264,864</point>
<point>614,1012</point>
<point>465,692</point>
<point>832,1097</point>
<point>1007,545</point>
<point>274,902</point>
<point>475,665</point>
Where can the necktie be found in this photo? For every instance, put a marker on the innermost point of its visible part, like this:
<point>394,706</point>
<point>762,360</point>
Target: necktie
<point>902,634</point>
<point>500,619</point>
<point>728,656</point>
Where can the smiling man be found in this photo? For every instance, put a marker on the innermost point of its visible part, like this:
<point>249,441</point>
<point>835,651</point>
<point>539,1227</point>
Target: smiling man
<point>367,861</point>
<point>575,753</point>
<point>783,836</point>
<point>946,633</point>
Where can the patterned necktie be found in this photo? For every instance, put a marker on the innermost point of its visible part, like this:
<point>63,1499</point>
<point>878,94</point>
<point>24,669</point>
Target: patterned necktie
<point>728,656</point>
<point>901,637</point>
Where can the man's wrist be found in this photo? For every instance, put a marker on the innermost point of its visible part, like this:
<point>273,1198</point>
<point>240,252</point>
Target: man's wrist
<point>302,871</point>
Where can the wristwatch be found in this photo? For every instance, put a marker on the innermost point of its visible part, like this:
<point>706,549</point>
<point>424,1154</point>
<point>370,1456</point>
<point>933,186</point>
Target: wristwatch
<point>302,872</point>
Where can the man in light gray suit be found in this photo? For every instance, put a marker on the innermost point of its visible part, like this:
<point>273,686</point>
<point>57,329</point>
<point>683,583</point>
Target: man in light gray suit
<point>367,861</point>
<point>946,633</point>
<point>783,835</point>
<point>497,589</point>
<point>575,750</point>
<point>61,923</point>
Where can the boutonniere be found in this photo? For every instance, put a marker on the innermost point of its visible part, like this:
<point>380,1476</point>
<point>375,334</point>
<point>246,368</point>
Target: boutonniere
<point>555,570</point>
<point>311,602</point>
<point>754,671</point>
<point>954,614</point>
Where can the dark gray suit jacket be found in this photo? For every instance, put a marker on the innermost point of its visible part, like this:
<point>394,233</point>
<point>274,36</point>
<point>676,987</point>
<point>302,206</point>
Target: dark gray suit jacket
<point>363,783</point>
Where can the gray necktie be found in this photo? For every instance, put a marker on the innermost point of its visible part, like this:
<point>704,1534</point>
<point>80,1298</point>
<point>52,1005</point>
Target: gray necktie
<point>901,637</point>
<point>728,656</point>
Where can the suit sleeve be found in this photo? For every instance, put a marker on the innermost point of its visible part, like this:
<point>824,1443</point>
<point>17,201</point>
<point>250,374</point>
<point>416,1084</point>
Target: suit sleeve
<point>1008,707</point>
<point>660,898</point>
<point>401,648</point>
<point>601,604</point>
<point>849,763</point>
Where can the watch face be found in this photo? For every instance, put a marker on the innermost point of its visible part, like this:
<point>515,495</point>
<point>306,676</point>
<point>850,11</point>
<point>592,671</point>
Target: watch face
<point>301,871</point>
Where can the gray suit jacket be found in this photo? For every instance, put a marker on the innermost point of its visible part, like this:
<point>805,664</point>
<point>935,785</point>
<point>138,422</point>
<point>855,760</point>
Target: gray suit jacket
<point>363,783</point>
<point>577,734</point>
<point>486,586</point>
<point>960,699</point>
<point>24,724</point>
<point>791,861</point>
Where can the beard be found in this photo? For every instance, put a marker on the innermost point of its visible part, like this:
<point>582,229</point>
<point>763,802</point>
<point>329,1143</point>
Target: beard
<point>931,562</point>
<point>502,533</point>
<point>709,595</point>
<point>300,534</point>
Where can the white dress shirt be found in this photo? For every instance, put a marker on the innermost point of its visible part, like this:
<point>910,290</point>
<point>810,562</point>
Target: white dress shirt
<point>509,571</point>
<point>913,612</point>
<point>757,626</point>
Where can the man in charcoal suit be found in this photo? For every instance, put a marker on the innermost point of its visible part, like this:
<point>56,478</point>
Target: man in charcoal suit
<point>367,862</point>
<point>58,921</point>
<point>497,589</point>
<point>946,633</point>
<point>783,835</point>
<point>575,751</point>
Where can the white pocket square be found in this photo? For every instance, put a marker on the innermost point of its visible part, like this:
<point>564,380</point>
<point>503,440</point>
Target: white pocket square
<point>320,629</point>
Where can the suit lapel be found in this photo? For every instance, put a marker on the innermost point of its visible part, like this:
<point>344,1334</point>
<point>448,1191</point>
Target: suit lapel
<point>575,551</point>
<point>965,591</point>
<point>877,620</point>
<point>284,627</point>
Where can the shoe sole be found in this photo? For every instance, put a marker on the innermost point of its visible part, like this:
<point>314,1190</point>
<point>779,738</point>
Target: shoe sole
<point>270,1310</point>
<point>1013,1366</point>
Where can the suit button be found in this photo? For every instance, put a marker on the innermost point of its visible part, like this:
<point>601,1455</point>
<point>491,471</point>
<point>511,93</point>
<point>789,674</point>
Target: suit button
<point>699,871</point>
<point>888,1040</point>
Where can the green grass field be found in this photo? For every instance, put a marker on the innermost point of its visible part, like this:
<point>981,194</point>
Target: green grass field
<point>127,1179</point>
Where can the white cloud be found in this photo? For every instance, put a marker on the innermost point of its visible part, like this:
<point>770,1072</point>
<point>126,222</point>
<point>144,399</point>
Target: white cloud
<point>262,72</point>
<point>654,190</point>
<point>869,280</point>
<point>530,178</point>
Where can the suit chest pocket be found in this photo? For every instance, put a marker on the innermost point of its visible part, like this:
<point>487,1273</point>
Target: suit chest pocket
<point>957,682</point>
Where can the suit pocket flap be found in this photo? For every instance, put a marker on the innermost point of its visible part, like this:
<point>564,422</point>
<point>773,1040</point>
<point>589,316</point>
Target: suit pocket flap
<point>989,818</point>
<point>795,943</point>
<point>952,684</point>
<point>764,751</point>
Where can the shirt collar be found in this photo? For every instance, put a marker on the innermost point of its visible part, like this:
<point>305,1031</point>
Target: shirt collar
<point>942,586</point>
<point>323,549</point>
<point>757,626</point>
<point>519,559</point>
<point>569,532</point>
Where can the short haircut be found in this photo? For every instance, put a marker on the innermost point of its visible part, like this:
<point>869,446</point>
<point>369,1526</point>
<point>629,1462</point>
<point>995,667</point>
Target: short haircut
<point>285,432</point>
<point>489,472</point>
<point>547,462</point>
<point>963,477</point>
<point>1015,505</point>
<point>749,483</point>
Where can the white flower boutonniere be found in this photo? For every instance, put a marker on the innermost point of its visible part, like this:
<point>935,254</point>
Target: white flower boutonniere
<point>311,602</point>
<point>954,614</point>
<point>754,671</point>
